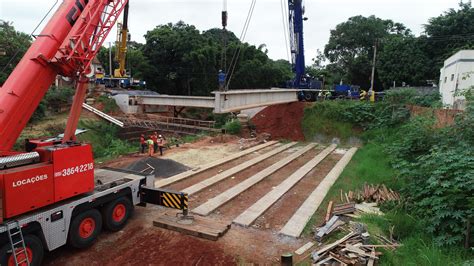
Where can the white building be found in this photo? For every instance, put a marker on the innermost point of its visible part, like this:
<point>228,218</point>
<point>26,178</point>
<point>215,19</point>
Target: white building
<point>456,76</point>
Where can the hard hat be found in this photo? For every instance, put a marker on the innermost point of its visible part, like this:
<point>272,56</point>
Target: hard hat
<point>160,136</point>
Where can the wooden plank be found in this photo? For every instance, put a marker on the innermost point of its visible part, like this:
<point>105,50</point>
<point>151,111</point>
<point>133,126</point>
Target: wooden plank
<point>329,211</point>
<point>331,246</point>
<point>304,248</point>
<point>198,228</point>
<point>258,208</point>
<point>298,221</point>
<point>322,231</point>
<point>234,170</point>
<point>219,200</point>
<point>192,172</point>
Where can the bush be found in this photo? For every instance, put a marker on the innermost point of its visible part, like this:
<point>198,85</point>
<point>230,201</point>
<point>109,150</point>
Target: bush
<point>110,105</point>
<point>233,127</point>
<point>105,141</point>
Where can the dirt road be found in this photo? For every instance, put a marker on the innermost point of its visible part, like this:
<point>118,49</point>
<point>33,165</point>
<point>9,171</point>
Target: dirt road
<point>143,244</point>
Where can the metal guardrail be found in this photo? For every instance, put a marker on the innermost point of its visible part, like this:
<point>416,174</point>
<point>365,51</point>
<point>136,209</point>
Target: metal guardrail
<point>103,115</point>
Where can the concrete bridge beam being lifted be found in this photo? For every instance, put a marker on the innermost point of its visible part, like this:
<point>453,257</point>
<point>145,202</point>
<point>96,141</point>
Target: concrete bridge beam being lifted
<point>225,101</point>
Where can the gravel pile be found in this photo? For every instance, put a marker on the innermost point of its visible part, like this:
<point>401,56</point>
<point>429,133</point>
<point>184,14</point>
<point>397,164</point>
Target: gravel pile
<point>162,167</point>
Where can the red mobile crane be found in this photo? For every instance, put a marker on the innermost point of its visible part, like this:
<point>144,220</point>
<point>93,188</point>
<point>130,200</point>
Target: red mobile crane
<point>51,195</point>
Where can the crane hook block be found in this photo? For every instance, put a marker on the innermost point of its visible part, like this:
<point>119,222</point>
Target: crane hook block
<point>224,19</point>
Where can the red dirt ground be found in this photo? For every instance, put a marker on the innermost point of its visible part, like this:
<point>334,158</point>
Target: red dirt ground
<point>282,121</point>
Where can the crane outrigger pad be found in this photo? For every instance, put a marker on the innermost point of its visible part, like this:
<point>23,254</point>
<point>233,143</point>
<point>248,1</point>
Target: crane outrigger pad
<point>201,227</point>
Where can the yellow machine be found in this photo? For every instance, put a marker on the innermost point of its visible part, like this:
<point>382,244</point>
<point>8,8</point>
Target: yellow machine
<point>121,45</point>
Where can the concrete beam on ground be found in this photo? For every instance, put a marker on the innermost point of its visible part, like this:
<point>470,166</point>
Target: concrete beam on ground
<point>236,100</point>
<point>174,100</point>
<point>192,172</point>
<point>234,170</point>
<point>294,227</point>
<point>214,203</point>
<point>258,208</point>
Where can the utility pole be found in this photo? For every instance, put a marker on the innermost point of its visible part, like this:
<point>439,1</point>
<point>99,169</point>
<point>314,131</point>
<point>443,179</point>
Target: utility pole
<point>110,59</point>
<point>371,90</point>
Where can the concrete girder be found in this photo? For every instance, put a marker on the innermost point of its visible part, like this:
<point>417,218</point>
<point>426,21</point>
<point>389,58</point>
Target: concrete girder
<point>236,100</point>
<point>173,100</point>
<point>225,101</point>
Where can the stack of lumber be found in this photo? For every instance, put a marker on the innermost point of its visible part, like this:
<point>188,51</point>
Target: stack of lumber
<point>344,208</point>
<point>371,193</point>
<point>328,228</point>
<point>349,250</point>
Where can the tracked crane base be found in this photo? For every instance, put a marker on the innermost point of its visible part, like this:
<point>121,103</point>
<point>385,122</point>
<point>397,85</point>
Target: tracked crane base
<point>295,226</point>
<point>251,214</point>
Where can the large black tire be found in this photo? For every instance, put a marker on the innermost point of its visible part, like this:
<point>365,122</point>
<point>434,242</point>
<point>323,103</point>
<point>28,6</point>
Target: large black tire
<point>33,246</point>
<point>116,213</point>
<point>85,228</point>
<point>309,96</point>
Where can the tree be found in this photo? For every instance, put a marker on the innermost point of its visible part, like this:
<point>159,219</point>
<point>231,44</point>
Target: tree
<point>14,44</point>
<point>351,45</point>
<point>447,34</point>
<point>169,48</point>
<point>181,60</point>
<point>403,59</point>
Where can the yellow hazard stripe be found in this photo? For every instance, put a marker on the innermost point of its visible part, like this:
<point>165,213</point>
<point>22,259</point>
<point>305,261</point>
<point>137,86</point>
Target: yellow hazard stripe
<point>168,202</point>
<point>176,198</point>
<point>171,200</point>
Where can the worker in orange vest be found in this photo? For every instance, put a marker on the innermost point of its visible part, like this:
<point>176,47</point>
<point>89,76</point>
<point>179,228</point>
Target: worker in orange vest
<point>150,143</point>
<point>142,143</point>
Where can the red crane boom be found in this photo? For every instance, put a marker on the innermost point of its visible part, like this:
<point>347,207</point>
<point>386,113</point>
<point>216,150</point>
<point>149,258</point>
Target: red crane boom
<point>63,169</point>
<point>66,46</point>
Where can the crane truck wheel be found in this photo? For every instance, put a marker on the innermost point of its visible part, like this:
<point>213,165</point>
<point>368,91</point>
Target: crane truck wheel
<point>85,228</point>
<point>34,251</point>
<point>309,96</point>
<point>116,213</point>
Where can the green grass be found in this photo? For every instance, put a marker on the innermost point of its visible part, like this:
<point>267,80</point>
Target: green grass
<point>105,142</point>
<point>369,165</point>
<point>193,138</point>
<point>417,247</point>
<point>315,126</point>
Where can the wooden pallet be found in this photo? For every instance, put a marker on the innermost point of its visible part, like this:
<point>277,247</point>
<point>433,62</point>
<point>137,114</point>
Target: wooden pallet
<point>201,227</point>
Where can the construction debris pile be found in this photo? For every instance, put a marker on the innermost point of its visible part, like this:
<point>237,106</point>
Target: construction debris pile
<point>371,193</point>
<point>250,142</point>
<point>352,249</point>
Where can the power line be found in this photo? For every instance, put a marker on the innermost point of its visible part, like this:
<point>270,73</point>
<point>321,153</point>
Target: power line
<point>236,55</point>
<point>31,34</point>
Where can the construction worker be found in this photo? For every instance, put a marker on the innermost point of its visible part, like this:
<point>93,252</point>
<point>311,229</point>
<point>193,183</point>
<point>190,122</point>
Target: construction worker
<point>221,78</point>
<point>142,143</point>
<point>154,137</point>
<point>150,146</point>
<point>161,144</point>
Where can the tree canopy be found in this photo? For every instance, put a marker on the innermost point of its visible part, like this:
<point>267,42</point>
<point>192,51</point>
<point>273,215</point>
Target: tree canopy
<point>402,57</point>
<point>13,44</point>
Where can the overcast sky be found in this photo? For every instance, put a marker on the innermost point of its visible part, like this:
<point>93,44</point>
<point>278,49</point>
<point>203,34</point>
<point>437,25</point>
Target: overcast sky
<point>266,26</point>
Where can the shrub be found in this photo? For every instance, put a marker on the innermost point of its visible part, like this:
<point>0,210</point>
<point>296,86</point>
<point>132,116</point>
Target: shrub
<point>110,105</point>
<point>233,127</point>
